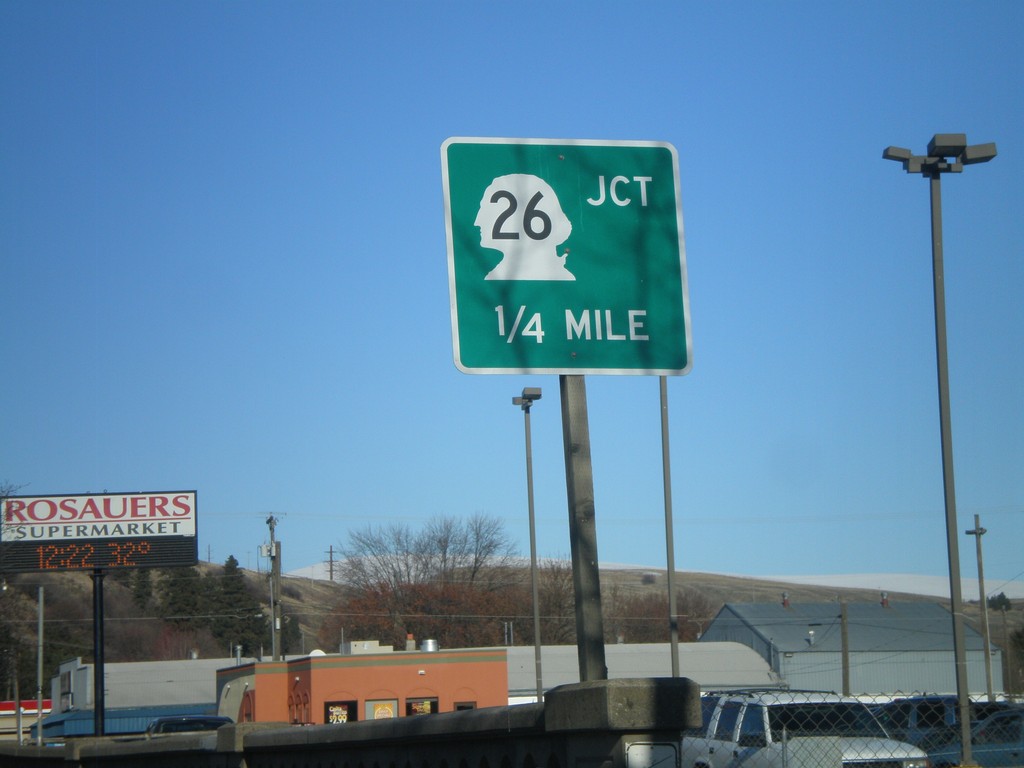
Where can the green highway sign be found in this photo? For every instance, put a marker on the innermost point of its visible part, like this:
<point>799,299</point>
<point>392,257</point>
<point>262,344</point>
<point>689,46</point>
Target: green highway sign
<point>566,256</point>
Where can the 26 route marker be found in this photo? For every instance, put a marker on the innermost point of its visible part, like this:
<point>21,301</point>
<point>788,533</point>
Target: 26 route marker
<point>566,256</point>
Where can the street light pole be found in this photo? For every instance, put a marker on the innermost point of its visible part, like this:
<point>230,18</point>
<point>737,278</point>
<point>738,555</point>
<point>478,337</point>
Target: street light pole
<point>942,147</point>
<point>977,532</point>
<point>529,397</point>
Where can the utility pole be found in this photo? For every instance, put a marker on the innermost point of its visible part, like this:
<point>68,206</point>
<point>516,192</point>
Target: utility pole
<point>275,591</point>
<point>1009,673</point>
<point>977,532</point>
<point>844,637</point>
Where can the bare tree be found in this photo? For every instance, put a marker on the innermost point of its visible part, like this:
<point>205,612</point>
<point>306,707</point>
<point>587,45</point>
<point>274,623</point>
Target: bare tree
<point>401,581</point>
<point>446,550</point>
<point>557,603</point>
<point>466,552</point>
<point>489,546</point>
<point>381,557</point>
<point>643,617</point>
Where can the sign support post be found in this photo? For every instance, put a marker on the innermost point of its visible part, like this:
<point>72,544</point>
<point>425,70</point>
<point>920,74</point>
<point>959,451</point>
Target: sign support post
<point>579,483</point>
<point>670,553</point>
<point>566,257</point>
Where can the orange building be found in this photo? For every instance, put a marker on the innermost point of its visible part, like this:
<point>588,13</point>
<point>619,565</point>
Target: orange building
<point>337,688</point>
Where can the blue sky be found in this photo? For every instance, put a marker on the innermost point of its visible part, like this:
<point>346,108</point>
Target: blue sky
<point>224,269</point>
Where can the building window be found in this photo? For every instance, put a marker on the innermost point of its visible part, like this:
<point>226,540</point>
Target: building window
<point>381,709</point>
<point>462,705</point>
<point>420,706</point>
<point>340,712</point>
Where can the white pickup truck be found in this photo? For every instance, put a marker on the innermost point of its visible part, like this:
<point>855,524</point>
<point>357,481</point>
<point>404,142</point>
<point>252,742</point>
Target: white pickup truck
<point>792,729</point>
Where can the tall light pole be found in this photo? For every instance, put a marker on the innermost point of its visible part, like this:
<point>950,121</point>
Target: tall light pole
<point>941,148</point>
<point>529,397</point>
<point>977,532</point>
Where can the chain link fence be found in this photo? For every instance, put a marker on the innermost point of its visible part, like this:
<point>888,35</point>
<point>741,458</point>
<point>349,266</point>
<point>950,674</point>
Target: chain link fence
<point>813,729</point>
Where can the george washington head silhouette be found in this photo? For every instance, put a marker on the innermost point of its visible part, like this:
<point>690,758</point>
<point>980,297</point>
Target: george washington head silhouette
<point>520,216</point>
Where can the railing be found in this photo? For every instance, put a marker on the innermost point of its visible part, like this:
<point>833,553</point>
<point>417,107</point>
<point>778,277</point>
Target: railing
<point>634,723</point>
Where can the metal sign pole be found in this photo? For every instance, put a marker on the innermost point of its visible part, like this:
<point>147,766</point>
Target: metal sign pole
<point>670,552</point>
<point>579,480</point>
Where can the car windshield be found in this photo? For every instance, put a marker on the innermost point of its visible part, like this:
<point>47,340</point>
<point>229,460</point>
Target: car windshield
<point>185,724</point>
<point>823,719</point>
<point>194,725</point>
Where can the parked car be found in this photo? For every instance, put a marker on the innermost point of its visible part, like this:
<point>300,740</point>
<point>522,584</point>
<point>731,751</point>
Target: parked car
<point>932,720</point>
<point>792,729</point>
<point>997,740</point>
<point>185,724</point>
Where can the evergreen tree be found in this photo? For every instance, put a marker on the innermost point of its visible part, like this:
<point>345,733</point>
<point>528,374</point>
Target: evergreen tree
<point>999,602</point>
<point>142,588</point>
<point>182,602</point>
<point>239,618</point>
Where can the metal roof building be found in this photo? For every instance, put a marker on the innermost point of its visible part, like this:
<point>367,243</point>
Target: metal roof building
<point>711,665</point>
<point>137,683</point>
<point>134,693</point>
<point>891,647</point>
<point>116,721</point>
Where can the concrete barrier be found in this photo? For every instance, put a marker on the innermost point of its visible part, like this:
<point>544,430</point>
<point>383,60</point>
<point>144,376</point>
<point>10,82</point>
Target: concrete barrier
<point>630,723</point>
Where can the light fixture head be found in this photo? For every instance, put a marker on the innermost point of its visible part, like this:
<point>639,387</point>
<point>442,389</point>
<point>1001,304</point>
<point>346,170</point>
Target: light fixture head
<point>947,145</point>
<point>978,153</point>
<point>897,153</point>
<point>529,396</point>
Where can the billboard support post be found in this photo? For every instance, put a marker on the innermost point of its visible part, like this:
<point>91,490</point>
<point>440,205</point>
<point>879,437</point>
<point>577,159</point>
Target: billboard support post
<point>39,674</point>
<point>99,697</point>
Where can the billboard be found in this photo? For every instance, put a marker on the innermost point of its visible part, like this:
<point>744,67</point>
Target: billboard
<point>98,531</point>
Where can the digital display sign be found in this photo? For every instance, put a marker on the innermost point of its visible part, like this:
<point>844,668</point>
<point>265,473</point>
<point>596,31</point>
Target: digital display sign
<point>98,531</point>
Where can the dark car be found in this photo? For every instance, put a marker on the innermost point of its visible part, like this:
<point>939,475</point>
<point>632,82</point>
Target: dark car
<point>186,724</point>
<point>930,721</point>
<point>996,741</point>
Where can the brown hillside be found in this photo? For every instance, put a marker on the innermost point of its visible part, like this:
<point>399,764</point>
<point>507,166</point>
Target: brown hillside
<point>310,600</point>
